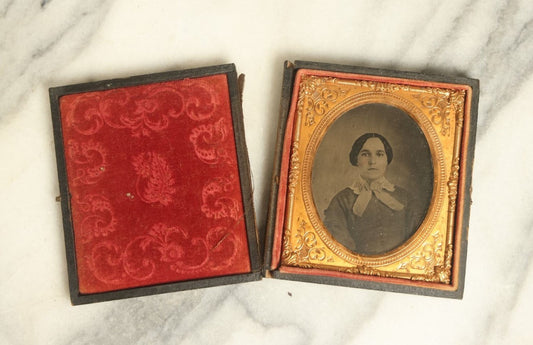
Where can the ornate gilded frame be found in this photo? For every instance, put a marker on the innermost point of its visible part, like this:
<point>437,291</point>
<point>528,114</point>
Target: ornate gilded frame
<point>432,260</point>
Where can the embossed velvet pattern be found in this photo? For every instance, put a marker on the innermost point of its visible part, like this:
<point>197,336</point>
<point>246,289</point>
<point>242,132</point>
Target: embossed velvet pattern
<point>154,184</point>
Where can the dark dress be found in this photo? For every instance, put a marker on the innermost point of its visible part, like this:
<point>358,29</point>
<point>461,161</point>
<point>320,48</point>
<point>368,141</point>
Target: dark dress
<point>379,230</point>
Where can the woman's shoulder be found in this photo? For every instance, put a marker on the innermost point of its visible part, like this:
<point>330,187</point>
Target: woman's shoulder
<point>347,193</point>
<point>401,194</point>
<point>345,196</point>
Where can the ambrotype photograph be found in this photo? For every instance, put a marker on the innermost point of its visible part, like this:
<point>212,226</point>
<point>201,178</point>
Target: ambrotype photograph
<point>372,178</point>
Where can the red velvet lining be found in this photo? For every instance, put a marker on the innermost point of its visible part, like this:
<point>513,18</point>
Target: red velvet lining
<point>283,176</point>
<point>154,184</point>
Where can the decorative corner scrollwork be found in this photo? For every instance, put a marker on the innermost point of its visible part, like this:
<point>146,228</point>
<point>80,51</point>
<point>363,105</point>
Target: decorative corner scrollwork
<point>429,260</point>
<point>441,104</point>
<point>437,101</point>
<point>317,94</point>
<point>305,248</point>
<point>442,273</point>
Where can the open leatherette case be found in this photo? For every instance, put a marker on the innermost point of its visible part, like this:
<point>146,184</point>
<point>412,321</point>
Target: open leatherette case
<point>371,183</point>
<point>372,179</point>
<point>155,184</point>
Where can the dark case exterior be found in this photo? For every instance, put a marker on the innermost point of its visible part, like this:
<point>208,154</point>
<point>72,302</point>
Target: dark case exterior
<point>289,72</point>
<point>234,85</point>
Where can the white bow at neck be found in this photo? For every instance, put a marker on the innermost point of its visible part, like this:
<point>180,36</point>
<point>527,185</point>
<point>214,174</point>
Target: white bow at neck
<point>380,188</point>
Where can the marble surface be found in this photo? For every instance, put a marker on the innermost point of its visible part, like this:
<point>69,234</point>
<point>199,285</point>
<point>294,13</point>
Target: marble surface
<point>50,42</point>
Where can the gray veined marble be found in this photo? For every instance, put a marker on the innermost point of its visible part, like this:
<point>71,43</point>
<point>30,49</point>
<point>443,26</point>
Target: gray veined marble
<point>51,42</point>
<point>38,38</point>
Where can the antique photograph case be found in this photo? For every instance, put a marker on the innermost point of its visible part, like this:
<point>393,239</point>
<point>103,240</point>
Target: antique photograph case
<point>371,184</point>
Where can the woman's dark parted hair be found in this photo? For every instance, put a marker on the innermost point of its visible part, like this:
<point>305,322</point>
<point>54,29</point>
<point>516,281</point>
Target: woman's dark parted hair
<point>358,145</point>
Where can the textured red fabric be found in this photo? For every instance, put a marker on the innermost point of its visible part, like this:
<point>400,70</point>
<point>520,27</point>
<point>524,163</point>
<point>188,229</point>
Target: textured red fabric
<point>155,189</point>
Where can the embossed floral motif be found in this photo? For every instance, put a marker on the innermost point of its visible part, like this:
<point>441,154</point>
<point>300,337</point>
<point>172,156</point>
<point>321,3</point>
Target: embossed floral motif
<point>83,114</point>
<point>117,109</point>
<point>144,113</point>
<point>207,141</point>
<point>97,217</point>
<point>215,200</point>
<point>171,245</point>
<point>106,263</point>
<point>176,247</point>
<point>89,161</point>
<point>165,245</point>
<point>201,100</point>
<point>142,110</point>
<point>155,183</point>
<point>153,111</point>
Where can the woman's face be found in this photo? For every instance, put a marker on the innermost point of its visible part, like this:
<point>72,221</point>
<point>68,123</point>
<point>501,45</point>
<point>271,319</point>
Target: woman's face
<point>372,160</point>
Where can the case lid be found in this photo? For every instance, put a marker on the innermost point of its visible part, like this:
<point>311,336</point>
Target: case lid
<point>155,184</point>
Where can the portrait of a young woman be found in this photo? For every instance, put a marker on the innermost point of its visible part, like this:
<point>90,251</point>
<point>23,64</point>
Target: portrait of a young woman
<point>372,215</point>
<point>372,192</point>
